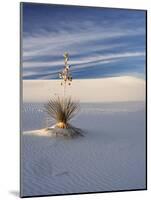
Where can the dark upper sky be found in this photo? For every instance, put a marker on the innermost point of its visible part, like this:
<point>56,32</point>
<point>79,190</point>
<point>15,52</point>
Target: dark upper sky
<point>101,42</point>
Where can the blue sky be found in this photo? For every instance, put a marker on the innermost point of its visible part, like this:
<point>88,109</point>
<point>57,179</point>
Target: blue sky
<point>101,42</point>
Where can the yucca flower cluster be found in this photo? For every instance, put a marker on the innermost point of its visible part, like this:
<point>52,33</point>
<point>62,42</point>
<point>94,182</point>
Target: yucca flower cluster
<point>65,74</point>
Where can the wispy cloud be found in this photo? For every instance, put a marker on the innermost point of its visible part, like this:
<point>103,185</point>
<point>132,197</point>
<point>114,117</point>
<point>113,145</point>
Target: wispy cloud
<point>96,41</point>
<point>85,60</point>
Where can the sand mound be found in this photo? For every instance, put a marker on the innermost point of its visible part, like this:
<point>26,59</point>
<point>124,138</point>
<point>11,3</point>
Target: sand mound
<point>54,131</point>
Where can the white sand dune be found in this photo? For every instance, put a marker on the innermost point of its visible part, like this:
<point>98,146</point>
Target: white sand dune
<point>110,157</point>
<point>114,89</point>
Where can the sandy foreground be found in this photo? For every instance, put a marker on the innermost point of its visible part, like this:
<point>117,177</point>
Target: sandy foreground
<point>111,155</point>
<point>114,89</point>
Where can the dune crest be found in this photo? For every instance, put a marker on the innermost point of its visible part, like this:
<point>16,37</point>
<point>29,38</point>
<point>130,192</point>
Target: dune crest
<point>115,89</point>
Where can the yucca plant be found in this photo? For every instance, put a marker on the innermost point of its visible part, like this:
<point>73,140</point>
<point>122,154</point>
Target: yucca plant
<point>62,110</point>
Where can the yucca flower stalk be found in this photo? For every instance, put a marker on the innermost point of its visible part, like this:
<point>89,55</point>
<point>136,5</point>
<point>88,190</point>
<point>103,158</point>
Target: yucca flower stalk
<point>65,75</point>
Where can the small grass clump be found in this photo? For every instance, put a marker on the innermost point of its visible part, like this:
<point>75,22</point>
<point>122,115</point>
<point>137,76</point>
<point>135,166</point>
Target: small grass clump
<point>62,110</point>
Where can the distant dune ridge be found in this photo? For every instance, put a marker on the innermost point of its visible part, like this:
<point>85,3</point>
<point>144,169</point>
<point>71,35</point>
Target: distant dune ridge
<point>114,89</point>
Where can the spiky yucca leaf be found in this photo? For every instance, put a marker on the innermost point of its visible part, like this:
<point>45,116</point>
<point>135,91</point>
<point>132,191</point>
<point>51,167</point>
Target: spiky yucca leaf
<point>62,110</point>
